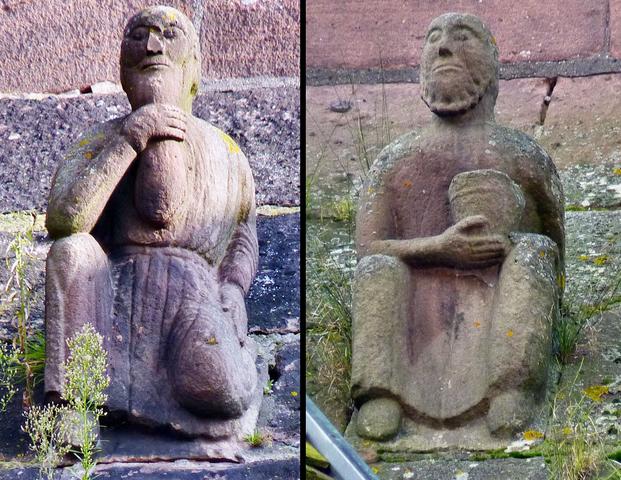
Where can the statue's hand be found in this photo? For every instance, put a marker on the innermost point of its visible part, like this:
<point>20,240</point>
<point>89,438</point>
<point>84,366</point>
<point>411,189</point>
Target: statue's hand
<point>466,245</point>
<point>232,298</point>
<point>154,121</point>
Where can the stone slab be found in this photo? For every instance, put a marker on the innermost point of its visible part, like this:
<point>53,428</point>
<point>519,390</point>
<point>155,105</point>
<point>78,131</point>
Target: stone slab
<point>35,134</point>
<point>287,468</point>
<point>506,469</point>
<point>389,34</point>
<point>593,186</point>
<point>582,121</point>
<point>274,300</point>
<point>245,38</point>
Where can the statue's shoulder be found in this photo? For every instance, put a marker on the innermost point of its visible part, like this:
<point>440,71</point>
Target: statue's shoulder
<point>522,147</point>
<point>218,138</point>
<point>92,140</point>
<point>396,150</point>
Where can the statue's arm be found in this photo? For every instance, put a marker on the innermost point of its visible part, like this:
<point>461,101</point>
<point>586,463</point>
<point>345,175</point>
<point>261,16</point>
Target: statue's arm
<point>91,171</point>
<point>463,245</point>
<point>85,180</point>
<point>240,261</point>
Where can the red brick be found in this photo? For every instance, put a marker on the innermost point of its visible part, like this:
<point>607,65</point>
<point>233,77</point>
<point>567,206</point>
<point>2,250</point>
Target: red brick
<point>363,34</point>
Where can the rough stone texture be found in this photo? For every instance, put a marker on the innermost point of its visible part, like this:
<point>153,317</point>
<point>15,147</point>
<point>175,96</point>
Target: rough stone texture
<point>238,39</point>
<point>592,186</point>
<point>283,466</point>
<point>334,145</point>
<point>582,122</point>
<point>450,319</point>
<point>274,300</point>
<point>615,27</point>
<point>352,34</point>
<point>36,134</point>
<point>507,469</point>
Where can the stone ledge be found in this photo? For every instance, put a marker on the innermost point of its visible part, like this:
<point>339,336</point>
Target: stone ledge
<point>36,134</point>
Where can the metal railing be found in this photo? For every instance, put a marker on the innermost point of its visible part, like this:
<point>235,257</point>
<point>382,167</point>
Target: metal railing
<point>345,463</point>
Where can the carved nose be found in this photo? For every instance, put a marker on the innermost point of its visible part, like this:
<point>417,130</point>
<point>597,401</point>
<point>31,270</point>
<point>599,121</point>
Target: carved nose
<point>154,44</point>
<point>444,51</point>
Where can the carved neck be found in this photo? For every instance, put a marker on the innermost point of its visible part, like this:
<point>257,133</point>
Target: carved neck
<point>482,113</point>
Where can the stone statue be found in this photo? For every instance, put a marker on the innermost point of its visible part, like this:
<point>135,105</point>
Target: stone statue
<point>460,241</point>
<point>154,222</point>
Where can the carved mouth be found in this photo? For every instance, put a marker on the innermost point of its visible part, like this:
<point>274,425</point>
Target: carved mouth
<point>154,65</point>
<point>447,67</point>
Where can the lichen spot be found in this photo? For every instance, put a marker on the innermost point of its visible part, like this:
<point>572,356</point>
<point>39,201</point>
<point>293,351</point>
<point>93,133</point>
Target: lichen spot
<point>88,155</point>
<point>617,171</point>
<point>232,146</point>
<point>242,216</point>
<point>84,142</point>
<point>170,17</point>
<point>509,333</point>
<point>477,324</point>
<point>542,253</point>
<point>407,184</point>
<point>531,435</point>
<point>212,341</point>
<point>596,392</point>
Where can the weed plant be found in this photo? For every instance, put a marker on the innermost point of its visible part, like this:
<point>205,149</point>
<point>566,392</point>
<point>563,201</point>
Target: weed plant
<point>53,428</point>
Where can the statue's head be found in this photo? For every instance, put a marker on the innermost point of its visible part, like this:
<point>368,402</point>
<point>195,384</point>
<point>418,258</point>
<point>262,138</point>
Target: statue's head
<point>459,65</point>
<point>160,58</point>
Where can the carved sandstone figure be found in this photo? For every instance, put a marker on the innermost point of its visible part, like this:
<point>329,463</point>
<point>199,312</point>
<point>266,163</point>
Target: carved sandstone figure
<point>153,217</point>
<point>452,315</point>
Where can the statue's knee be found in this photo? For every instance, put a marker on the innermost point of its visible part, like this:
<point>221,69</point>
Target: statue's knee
<point>373,266</point>
<point>75,251</point>
<point>206,382</point>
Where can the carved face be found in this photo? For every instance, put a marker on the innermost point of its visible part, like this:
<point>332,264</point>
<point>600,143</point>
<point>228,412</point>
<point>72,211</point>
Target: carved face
<point>160,62</point>
<point>459,64</point>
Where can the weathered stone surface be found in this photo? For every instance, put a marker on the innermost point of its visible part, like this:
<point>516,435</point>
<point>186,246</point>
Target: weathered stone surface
<point>592,186</point>
<point>351,34</point>
<point>451,319</point>
<point>342,145</point>
<point>264,122</point>
<point>582,124</point>
<point>238,39</point>
<point>280,411</point>
<point>508,469</point>
<point>273,301</point>
<point>284,466</point>
<point>615,27</point>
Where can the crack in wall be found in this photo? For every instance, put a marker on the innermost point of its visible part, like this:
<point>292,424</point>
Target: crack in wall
<point>551,83</point>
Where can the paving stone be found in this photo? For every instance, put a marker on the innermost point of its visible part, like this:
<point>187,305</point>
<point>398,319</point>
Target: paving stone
<point>245,38</point>
<point>35,134</point>
<point>390,34</point>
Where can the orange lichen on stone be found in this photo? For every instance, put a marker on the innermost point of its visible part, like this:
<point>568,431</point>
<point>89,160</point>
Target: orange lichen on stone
<point>477,324</point>
<point>407,183</point>
<point>531,435</point>
<point>510,333</point>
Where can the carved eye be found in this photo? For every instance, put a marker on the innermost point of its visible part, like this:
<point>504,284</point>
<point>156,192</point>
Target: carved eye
<point>434,36</point>
<point>138,34</point>
<point>170,33</point>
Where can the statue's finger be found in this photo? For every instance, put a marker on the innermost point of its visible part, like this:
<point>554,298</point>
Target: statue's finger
<point>475,221</point>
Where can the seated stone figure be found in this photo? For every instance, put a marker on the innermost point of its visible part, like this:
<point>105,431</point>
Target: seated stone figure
<point>153,217</point>
<point>460,241</point>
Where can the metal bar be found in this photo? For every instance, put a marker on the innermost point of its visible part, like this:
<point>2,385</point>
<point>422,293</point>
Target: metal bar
<point>344,461</point>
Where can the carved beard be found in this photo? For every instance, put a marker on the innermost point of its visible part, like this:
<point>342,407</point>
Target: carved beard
<point>453,93</point>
